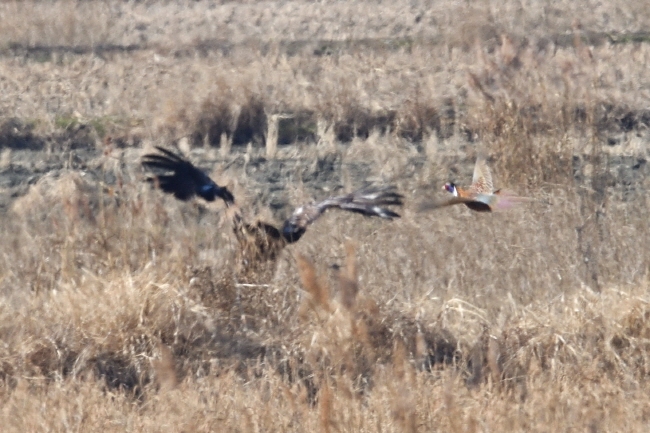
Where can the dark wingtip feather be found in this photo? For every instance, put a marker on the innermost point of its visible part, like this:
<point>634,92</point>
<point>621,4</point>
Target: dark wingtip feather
<point>171,155</point>
<point>388,214</point>
<point>227,196</point>
<point>382,195</point>
<point>158,162</point>
<point>372,201</point>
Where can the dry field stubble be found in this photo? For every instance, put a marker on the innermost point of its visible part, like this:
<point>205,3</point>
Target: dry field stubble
<point>119,309</point>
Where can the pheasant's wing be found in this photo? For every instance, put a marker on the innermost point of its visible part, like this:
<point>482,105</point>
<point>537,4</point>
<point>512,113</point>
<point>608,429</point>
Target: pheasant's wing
<point>482,179</point>
<point>500,200</point>
<point>486,199</point>
<point>176,175</point>
<point>369,201</point>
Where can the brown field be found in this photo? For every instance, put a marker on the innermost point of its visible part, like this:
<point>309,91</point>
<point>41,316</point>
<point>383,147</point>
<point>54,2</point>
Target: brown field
<point>121,309</point>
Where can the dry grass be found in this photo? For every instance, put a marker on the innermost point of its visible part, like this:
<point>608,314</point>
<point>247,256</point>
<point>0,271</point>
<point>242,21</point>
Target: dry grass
<point>121,309</point>
<point>199,72</point>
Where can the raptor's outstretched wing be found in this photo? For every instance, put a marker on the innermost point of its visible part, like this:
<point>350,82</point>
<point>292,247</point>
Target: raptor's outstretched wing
<point>369,201</point>
<point>176,175</point>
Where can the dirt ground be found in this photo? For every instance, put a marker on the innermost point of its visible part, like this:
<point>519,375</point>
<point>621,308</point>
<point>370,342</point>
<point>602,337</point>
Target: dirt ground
<point>26,157</point>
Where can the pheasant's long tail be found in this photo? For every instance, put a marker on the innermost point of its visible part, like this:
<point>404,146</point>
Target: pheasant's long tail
<point>503,200</point>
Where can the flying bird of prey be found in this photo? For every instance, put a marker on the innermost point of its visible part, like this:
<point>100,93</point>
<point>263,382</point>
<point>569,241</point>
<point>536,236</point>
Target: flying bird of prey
<point>259,240</point>
<point>480,196</point>
<point>175,175</point>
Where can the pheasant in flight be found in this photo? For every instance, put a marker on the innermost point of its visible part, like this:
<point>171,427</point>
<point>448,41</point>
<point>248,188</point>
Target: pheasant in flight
<point>480,196</point>
<point>176,175</point>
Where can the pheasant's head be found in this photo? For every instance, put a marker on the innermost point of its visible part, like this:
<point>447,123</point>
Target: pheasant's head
<point>451,188</point>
